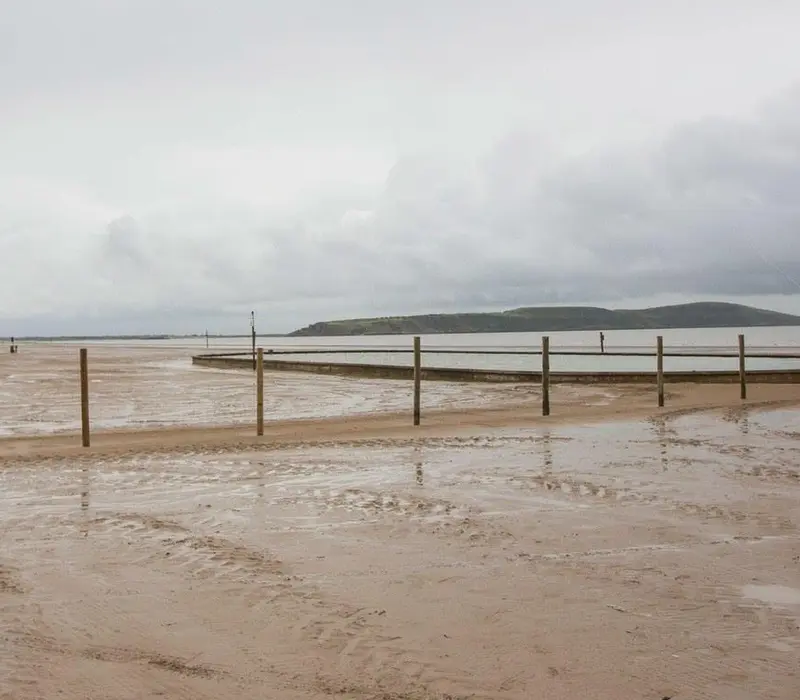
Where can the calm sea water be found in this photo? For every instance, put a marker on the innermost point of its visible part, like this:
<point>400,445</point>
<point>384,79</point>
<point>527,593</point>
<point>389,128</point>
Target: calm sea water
<point>763,339</point>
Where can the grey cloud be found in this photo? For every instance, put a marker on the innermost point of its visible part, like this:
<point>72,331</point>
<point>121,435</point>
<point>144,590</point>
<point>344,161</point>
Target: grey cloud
<point>174,161</point>
<point>706,211</point>
<point>123,247</point>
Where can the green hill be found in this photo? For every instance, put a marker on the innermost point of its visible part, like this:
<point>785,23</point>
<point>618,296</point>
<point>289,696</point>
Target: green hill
<point>559,318</point>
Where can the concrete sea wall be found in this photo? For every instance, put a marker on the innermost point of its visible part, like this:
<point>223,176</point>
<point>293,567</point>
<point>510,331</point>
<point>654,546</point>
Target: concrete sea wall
<point>452,374</point>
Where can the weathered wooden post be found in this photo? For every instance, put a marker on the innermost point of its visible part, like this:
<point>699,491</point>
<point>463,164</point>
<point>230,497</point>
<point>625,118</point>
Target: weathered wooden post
<point>260,392</point>
<point>660,369</point>
<point>84,397</point>
<point>545,375</point>
<point>417,378</point>
<point>742,373</point>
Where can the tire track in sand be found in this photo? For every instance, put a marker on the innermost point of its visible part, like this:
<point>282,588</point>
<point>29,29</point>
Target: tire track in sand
<point>349,639</point>
<point>44,649</point>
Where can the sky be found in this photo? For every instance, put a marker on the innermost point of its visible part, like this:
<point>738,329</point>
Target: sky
<point>167,166</point>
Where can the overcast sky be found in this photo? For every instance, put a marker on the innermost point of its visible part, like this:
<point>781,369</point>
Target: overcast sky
<point>169,165</point>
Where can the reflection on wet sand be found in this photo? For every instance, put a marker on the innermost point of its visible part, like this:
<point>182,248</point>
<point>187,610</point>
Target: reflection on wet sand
<point>418,465</point>
<point>663,433</point>
<point>547,451</point>
<point>85,485</point>
<point>744,422</point>
<point>653,558</point>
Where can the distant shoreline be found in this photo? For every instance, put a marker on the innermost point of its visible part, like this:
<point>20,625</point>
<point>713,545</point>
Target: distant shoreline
<point>555,319</point>
<point>194,336</point>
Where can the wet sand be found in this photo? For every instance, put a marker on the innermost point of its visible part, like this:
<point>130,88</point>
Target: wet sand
<point>610,551</point>
<point>146,387</point>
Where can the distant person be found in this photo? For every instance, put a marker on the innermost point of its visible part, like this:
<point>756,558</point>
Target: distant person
<point>13,347</point>
<point>602,342</point>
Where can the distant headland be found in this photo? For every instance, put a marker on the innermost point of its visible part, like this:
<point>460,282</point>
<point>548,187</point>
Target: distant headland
<point>558,318</point>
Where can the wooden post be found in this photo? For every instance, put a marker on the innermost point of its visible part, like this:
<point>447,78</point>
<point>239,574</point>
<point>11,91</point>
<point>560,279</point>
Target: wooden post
<point>660,369</point>
<point>260,392</point>
<point>253,334</point>
<point>417,378</point>
<point>545,375</point>
<point>84,398</point>
<point>742,374</point>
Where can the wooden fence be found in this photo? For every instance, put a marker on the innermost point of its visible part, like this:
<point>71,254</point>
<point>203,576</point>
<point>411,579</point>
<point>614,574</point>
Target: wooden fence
<point>417,372</point>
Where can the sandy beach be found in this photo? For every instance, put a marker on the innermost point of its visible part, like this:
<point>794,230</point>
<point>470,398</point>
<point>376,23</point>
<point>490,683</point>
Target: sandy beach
<point>612,550</point>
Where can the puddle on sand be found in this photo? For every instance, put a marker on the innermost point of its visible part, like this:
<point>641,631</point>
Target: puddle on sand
<point>690,466</point>
<point>773,595</point>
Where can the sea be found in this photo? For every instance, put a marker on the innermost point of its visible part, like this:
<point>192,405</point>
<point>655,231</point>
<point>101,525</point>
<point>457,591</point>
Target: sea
<point>483,348</point>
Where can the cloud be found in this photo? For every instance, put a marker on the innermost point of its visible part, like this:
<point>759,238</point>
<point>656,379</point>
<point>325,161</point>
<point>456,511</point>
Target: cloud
<point>707,210</point>
<point>710,209</point>
<point>310,161</point>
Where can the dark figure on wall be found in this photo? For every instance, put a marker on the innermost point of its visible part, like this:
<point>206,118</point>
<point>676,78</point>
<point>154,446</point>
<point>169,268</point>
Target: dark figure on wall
<point>602,342</point>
